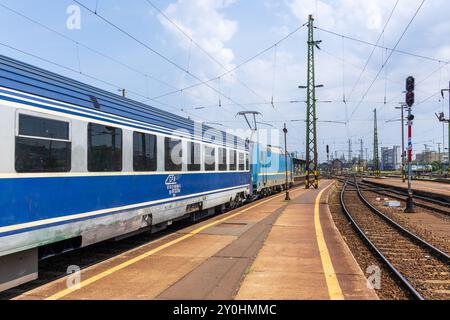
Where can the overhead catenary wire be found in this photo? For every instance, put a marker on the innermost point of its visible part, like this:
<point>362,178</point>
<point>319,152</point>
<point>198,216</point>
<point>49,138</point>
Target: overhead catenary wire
<point>344,100</point>
<point>157,53</point>
<point>418,83</point>
<point>123,64</point>
<point>96,6</point>
<point>274,75</point>
<point>395,50</point>
<point>180,29</point>
<point>387,59</point>
<point>372,52</point>
<point>290,34</point>
<point>108,83</point>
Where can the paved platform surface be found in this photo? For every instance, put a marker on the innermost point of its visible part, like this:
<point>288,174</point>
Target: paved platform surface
<point>299,255</point>
<point>305,257</point>
<point>424,186</point>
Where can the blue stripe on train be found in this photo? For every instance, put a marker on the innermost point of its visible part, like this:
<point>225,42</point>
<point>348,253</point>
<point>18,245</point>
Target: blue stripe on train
<point>49,225</point>
<point>25,200</point>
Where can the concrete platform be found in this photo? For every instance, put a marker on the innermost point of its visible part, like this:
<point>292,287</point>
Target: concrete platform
<point>271,249</point>
<point>304,257</point>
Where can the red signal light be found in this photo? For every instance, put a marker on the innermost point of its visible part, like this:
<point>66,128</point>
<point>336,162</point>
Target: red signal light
<point>410,97</point>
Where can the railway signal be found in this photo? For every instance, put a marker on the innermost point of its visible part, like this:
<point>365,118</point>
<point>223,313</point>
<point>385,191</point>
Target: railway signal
<point>410,97</point>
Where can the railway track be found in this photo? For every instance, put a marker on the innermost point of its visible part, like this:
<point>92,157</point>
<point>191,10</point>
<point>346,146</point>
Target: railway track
<point>428,203</point>
<point>422,269</point>
<point>420,201</point>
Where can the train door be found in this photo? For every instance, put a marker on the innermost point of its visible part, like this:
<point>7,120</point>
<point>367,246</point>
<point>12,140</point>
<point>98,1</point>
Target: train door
<point>263,166</point>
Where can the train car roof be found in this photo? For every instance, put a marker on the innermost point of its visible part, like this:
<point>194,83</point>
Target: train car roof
<point>29,79</point>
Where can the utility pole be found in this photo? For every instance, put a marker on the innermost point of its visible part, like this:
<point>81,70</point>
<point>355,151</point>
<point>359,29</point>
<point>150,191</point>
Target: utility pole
<point>439,156</point>
<point>361,152</point>
<point>328,161</point>
<point>350,151</point>
<point>441,118</point>
<point>376,155</point>
<point>285,130</point>
<point>311,119</point>
<point>367,158</point>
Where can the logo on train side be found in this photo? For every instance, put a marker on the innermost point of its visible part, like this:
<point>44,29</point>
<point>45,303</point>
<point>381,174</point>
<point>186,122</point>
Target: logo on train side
<point>172,185</point>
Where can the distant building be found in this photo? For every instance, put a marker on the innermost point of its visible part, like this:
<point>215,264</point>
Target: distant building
<point>299,167</point>
<point>337,166</point>
<point>391,159</point>
<point>428,157</point>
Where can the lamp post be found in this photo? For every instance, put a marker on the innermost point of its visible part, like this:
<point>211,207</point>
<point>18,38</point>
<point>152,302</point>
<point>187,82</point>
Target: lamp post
<point>285,130</point>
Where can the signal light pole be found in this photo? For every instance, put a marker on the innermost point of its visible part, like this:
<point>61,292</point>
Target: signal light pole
<point>285,130</point>
<point>410,97</point>
<point>402,108</point>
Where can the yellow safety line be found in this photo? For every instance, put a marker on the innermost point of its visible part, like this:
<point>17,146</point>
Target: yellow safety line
<point>127,263</point>
<point>334,289</point>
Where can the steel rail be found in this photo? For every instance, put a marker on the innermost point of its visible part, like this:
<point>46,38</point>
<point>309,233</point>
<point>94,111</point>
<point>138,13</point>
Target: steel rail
<point>400,196</point>
<point>442,255</point>
<point>400,277</point>
<point>388,264</point>
<point>400,192</point>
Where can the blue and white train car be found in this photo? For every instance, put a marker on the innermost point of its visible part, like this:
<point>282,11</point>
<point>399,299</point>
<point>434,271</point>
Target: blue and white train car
<point>269,171</point>
<point>80,165</point>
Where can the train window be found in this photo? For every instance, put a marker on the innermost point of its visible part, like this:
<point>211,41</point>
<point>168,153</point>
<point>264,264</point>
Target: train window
<point>42,145</point>
<point>42,127</point>
<point>210,158</point>
<point>194,158</point>
<point>233,160</point>
<point>222,159</point>
<point>104,148</point>
<point>144,152</point>
<point>173,154</point>
<point>241,161</point>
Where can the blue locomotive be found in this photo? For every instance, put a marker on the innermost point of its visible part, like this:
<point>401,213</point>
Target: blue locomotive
<point>81,165</point>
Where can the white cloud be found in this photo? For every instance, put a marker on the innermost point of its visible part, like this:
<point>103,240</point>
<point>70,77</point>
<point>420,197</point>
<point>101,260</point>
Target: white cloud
<point>203,21</point>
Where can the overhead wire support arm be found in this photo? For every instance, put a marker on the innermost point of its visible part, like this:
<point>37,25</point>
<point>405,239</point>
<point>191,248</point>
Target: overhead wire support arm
<point>253,114</point>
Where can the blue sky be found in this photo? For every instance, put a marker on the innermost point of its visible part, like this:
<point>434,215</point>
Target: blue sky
<point>232,31</point>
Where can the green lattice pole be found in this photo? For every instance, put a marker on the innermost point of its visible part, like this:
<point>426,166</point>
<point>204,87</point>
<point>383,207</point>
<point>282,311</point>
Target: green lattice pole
<point>376,155</point>
<point>311,127</point>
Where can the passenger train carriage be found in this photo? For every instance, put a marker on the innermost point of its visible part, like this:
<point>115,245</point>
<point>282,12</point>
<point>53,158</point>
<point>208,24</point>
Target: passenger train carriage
<point>80,165</point>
